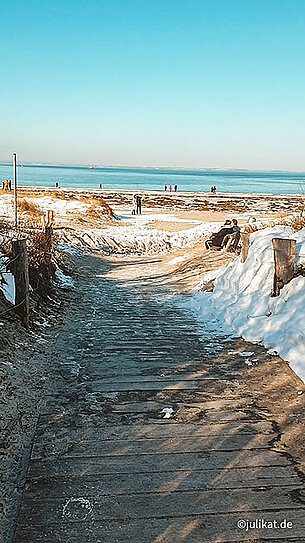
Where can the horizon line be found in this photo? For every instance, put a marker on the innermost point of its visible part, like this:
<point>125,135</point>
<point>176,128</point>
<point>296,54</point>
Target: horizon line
<point>171,168</point>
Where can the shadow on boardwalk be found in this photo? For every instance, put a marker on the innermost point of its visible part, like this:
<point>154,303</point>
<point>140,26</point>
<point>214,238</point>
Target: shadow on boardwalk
<point>106,466</point>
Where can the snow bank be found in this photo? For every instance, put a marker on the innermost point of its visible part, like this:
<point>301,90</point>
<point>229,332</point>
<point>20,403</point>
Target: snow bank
<point>60,207</point>
<point>63,280</point>
<point>241,301</point>
<point>7,281</point>
<point>8,287</point>
<point>137,237</point>
<point>140,238</point>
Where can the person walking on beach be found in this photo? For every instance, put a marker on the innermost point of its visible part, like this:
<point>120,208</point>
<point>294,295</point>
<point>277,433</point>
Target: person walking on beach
<point>170,188</point>
<point>165,188</point>
<point>10,185</point>
<point>175,188</point>
<point>138,204</point>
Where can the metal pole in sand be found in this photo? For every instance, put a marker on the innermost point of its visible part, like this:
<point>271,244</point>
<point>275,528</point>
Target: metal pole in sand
<point>15,188</point>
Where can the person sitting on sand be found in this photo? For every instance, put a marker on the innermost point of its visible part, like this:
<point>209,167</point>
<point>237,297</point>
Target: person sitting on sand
<point>216,239</point>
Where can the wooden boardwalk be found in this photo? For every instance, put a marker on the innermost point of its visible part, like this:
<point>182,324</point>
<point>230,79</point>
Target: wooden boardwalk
<point>107,467</point>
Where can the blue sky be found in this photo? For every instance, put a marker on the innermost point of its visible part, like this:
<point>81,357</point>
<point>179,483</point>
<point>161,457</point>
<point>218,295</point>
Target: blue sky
<point>189,83</point>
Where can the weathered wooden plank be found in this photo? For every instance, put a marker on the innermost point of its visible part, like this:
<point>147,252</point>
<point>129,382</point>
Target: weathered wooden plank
<point>203,375</point>
<point>155,430</point>
<point>200,529</point>
<point>104,386</point>
<point>166,481</point>
<point>83,447</point>
<point>154,462</point>
<point>284,257</point>
<point>160,505</point>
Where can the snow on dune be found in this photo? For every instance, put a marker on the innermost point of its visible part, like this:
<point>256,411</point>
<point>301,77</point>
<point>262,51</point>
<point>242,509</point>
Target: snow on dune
<point>137,237</point>
<point>241,301</point>
<point>60,207</point>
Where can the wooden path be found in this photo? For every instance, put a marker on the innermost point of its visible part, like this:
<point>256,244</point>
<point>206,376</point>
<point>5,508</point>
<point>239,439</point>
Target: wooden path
<point>107,467</point>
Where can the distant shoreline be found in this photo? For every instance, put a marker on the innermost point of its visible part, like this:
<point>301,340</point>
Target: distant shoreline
<point>156,169</point>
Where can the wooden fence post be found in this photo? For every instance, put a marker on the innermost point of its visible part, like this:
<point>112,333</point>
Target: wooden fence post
<point>21,275</point>
<point>245,244</point>
<point>284,257</point>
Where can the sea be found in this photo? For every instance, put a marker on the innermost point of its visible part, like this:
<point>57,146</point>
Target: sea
<point>238,181</point>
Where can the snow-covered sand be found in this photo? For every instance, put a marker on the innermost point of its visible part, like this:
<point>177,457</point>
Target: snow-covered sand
<point>138,236</point>
<point>241,303</point>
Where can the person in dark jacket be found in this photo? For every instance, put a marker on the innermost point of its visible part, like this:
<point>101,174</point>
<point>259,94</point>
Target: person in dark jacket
<point>234,236</point>
<point>217,238</point>
<point>138,204</point>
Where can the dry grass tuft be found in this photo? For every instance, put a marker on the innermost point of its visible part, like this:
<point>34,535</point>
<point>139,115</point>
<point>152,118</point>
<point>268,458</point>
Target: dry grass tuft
<point>41,261</point>
<point>98,209</point>
<point>25,206</point>
<point>297,222</point>
<point>100,212</point>
<point>61,195</point>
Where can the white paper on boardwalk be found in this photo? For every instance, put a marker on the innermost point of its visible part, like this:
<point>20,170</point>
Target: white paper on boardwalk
<point>241,301</point>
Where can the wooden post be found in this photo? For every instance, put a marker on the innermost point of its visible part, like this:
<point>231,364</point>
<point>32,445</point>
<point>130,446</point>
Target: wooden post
<point>50,218</point>
<point>245,241</point>
<point>49,246</point>
<point>284,257</point>
<point>21,275</point>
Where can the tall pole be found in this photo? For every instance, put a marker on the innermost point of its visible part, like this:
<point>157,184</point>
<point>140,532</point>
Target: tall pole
<point>15,188</point>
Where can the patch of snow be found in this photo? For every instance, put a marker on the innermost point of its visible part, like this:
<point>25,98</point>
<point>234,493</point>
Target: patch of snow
<point>8,286</point>
<point>177,260</point>
<point>138,237</point>
<point>209,276</point>
<point>68,249</point>
<point>60,207</point>
<point>241,301</point>
<point>152,217</point>
<point>64,281</point>
<point>77,509</point>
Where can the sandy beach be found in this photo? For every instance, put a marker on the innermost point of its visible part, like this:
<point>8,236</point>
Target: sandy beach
<point>192,206</point>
